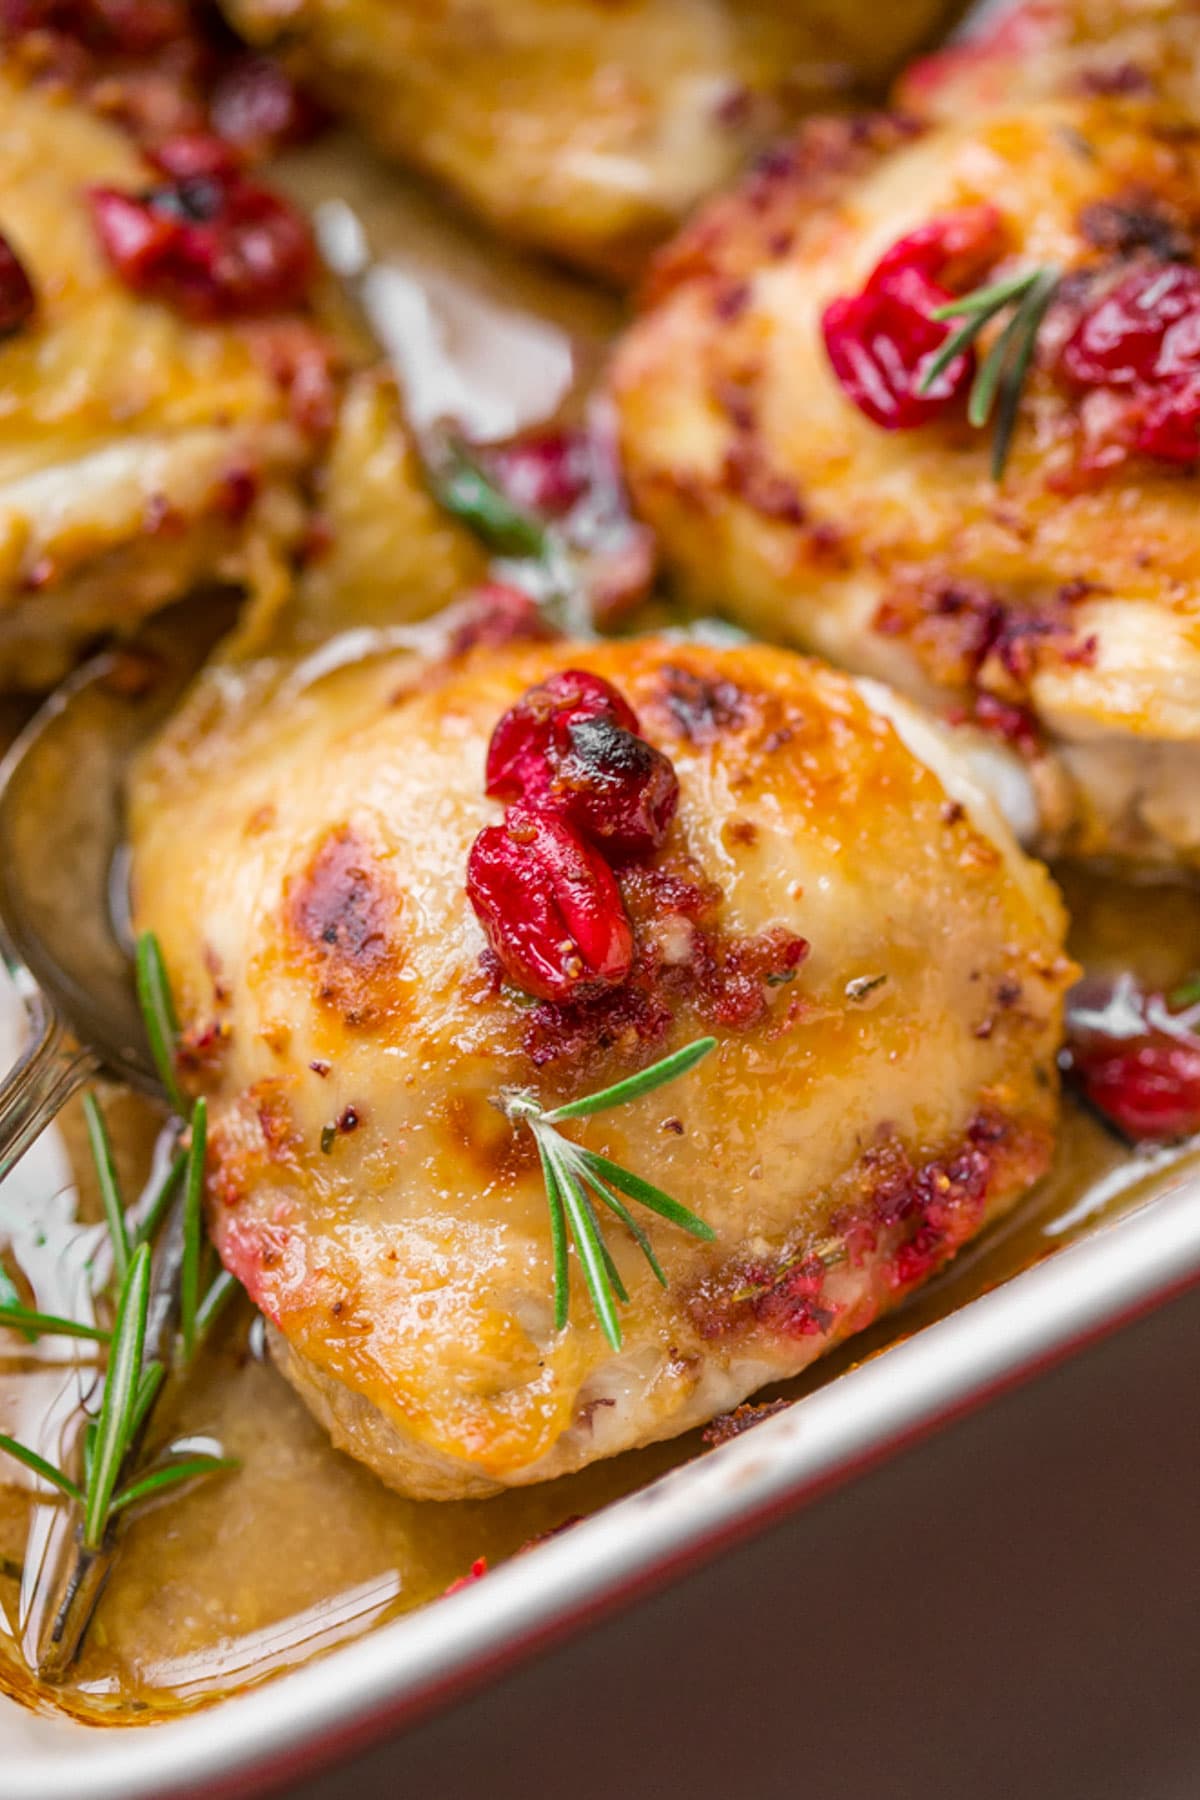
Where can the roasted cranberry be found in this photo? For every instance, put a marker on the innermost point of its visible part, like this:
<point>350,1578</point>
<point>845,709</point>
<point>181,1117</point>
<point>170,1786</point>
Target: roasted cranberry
<point>1136,351</point>
<point>17,298</point>
<point>616,787</point>
<point>1133,333</point>
<point>526,745</point>
<point>881,341</point>
<point>257,106</point>
<point>550,906</point>
<point>1135,1059</point>
<point>210,242</point>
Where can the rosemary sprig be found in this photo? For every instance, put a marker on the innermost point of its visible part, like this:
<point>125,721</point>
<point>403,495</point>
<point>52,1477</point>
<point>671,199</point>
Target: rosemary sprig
<point>1000,379</point>
<point>463,487</point>
<point>119,1405</point>
<point>133,1381</point>
<point>158,1013</point>
<point>576,1177</point>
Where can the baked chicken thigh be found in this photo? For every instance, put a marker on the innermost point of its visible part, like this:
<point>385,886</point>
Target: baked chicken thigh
<point>834,901</point>
<point>792,429</point>
<point>584,128</point>
<point>1037,48</point>
<point>141,450</point>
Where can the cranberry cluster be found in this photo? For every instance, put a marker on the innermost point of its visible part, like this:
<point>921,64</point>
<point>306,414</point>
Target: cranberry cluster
<point>1135,1056</point>
<point>881,341</point>
<point>585,791</point>
<point>1139,345</point>
<point>209,240</point>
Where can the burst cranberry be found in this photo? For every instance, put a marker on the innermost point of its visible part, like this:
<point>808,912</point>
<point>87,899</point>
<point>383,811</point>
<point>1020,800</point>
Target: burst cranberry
<point>257,106</point>
<point>550,907</point>
<point>1137,353</point>
<point>1144,329</point>
<point>17,299</point>
<point>616,787</point>
<point>882,341</point>
<point>210,242</point>
<point>528,741</point>
<point>1135,1060</point>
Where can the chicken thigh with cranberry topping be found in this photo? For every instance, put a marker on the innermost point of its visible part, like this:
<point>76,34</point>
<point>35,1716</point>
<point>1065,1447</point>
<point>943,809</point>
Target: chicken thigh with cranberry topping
<point>407,904</point>
<point>1034,48</point>
<point>143,447</point>
<point>581,127</point>
<point>927,401</point>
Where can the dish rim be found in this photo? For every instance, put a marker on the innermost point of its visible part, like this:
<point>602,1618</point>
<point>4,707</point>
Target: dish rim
<point>419,1663</point>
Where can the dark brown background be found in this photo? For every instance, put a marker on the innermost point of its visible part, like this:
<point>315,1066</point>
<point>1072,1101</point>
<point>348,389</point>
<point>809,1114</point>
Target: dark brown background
<point>1008,1612</point>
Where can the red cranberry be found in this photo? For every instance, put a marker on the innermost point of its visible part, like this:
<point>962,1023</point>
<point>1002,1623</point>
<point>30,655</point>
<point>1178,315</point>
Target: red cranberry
<point>211,242</point>
<point>257,106</point>
<point>882,340</point>
<point>616,787</point>
<point>523,752</point>
<point>550,907</point>
<point>1145,328</point>
<point>1135,1060</point>
<point>17,298</point>
<point>1137,353</point>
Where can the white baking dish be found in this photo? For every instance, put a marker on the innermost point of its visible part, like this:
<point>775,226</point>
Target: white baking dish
<point>425,1660</point>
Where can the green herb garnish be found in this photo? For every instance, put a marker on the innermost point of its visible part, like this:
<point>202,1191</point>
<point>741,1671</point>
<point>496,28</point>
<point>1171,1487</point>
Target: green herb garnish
<point>111,1481</point>
<point>1186,994</point>
<point>1000,378</point>
<point>158,1013</point>
<point>463,487</point>
<point>575,1177</point>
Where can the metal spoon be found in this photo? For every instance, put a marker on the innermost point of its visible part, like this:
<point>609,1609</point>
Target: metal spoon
<point>61,868</point>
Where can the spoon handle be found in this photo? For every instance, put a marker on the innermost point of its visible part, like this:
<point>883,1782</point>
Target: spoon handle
<point>49,1070</point>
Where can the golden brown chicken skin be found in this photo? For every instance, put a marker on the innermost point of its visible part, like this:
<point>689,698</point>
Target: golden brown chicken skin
<point>1056,606</point>
<point>145,451</point>
<point>139,453</point>
<point>581,127</point>
<point>836,902</point>
<point>1038,48</point>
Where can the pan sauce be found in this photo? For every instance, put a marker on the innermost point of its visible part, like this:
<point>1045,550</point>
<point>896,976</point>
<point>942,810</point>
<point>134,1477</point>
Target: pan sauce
<point>247,1575</point>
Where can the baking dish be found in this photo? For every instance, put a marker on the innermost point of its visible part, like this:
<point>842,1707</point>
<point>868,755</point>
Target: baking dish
<point>1119,1269</point>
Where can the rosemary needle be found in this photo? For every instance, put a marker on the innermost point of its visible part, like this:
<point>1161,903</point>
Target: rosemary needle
<point>120,1396</point>
<point>573,1176</point>
<point>1000,379</point>
<point>158,1013</point>
<point>106,1176</point>
<point>193,1229</point>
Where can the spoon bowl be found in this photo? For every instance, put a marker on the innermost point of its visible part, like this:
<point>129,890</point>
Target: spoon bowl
<point>63,908</point>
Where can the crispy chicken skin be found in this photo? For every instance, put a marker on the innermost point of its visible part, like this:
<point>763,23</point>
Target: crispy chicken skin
<point>1039,48</point>
<point>142,455</point>
<point>301,854</point>
<point>138,453</point>
<point>582,127</point>
<point>894,552</point>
